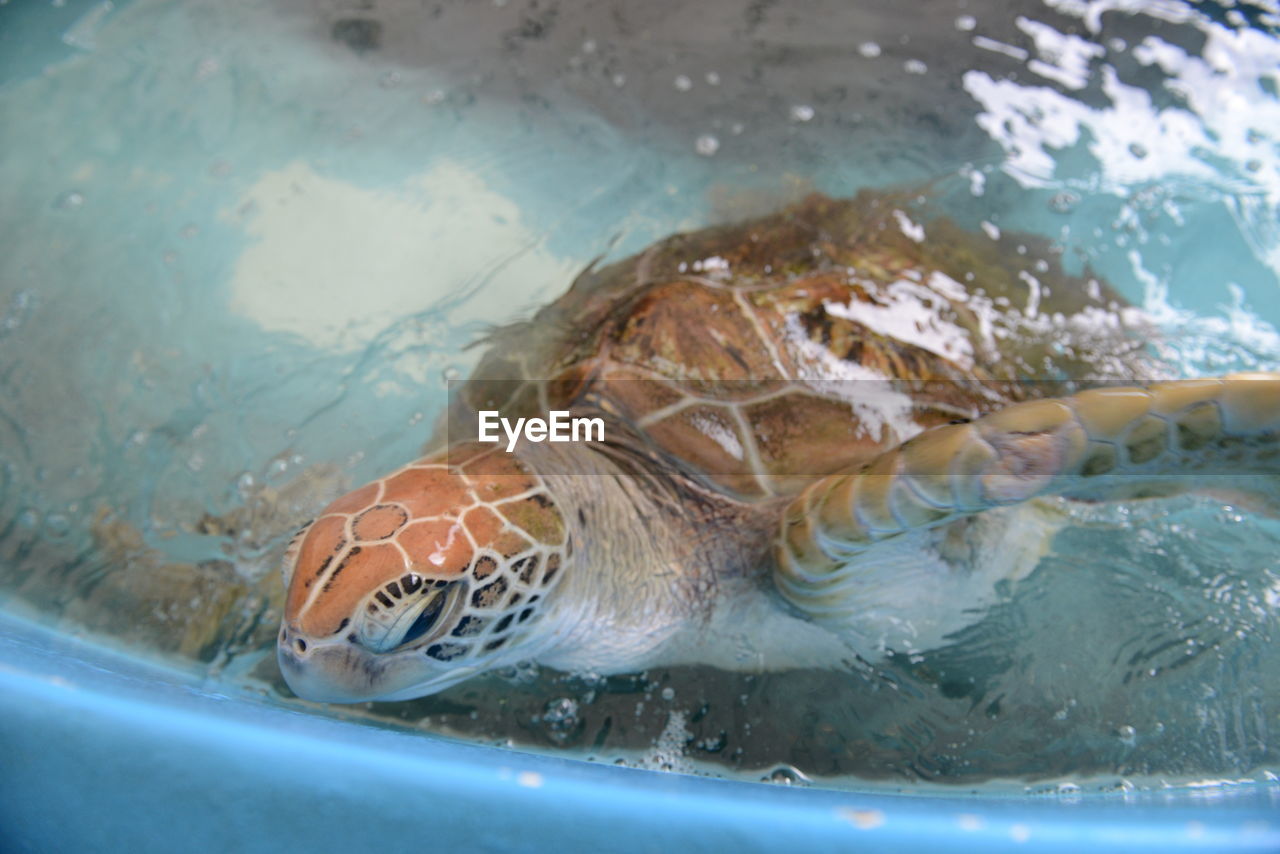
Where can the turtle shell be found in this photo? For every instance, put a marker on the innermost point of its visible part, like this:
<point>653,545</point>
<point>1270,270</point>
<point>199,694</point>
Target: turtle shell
<point>755,356</point>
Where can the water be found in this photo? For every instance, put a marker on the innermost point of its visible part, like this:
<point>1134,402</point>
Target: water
<point>245,246</point>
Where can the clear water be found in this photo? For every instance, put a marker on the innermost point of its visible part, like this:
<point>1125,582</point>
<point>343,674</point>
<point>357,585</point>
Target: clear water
<point>244,245</point>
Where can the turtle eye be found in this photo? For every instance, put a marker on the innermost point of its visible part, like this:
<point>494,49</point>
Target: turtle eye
<point>403,611</point>
<point>426,620</point>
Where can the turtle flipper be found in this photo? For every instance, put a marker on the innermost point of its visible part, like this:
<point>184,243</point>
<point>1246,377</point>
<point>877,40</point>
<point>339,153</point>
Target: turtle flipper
<point>1106,443</point>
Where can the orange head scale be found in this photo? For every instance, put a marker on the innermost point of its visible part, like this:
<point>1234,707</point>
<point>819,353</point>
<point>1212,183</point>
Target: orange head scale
<point>420,579</point>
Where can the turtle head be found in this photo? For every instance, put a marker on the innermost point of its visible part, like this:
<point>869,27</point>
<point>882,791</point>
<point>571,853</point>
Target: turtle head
<point>421,579</point>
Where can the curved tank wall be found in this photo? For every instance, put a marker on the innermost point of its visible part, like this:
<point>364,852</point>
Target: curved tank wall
<point>192,200</point>
<point>104,754</point>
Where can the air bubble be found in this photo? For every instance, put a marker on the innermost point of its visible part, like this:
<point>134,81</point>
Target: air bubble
<point>560,718</point>
<point>966,23</point>
<point>713,745</point>
<point>802,113</point>
<point>1064,202</point>
<point>712,78</point>
<point>706,145</point>
<point>668,693</point>
<point>683,83</point>
<point>786,775</point>
<point>1128,736</point>
<point>915,66</point>
<point>869,49</point>
<point>69,201</point>
<point>16,313</point>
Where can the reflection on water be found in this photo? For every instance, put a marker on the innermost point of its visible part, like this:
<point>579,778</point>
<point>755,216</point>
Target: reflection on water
<point>245,245</point>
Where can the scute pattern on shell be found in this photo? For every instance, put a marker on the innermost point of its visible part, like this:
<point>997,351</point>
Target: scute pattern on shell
<point>743,354</point>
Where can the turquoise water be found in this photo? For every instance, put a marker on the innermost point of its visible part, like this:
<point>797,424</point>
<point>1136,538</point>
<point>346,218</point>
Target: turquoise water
<point>245,247</point>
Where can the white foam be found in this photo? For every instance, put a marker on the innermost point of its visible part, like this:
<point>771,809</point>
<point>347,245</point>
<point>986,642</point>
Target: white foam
<point>1223,137</point>
<point>909,312</point>
<point>1064,58</point>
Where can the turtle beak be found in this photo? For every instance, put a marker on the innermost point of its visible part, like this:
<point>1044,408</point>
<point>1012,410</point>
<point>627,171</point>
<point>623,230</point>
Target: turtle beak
<point>339,671</point>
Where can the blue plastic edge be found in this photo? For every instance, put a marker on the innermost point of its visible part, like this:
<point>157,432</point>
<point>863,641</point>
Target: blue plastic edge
<point>104,753</point>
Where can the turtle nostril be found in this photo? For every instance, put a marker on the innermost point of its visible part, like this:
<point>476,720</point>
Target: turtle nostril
<point>300,645</point>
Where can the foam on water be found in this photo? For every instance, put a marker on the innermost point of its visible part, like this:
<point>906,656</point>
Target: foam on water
<point>245,244</point>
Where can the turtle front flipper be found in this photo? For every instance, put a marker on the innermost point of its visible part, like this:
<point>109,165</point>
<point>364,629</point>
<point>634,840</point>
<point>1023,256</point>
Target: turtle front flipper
<point>1105,443</point>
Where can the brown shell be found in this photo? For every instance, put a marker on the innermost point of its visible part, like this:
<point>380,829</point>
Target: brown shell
<point>754,356</point>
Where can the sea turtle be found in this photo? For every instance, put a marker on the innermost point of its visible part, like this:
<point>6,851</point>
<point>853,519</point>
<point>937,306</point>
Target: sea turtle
<point>829,434</point>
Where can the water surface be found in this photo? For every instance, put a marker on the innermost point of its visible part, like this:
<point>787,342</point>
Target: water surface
<point>245,246</point>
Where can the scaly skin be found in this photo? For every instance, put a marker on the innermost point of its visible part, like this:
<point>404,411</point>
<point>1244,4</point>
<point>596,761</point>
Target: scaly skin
<point>629,578</point>
<point>759,381</point>
<point>467,560</point>
<point>1104,441</point>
